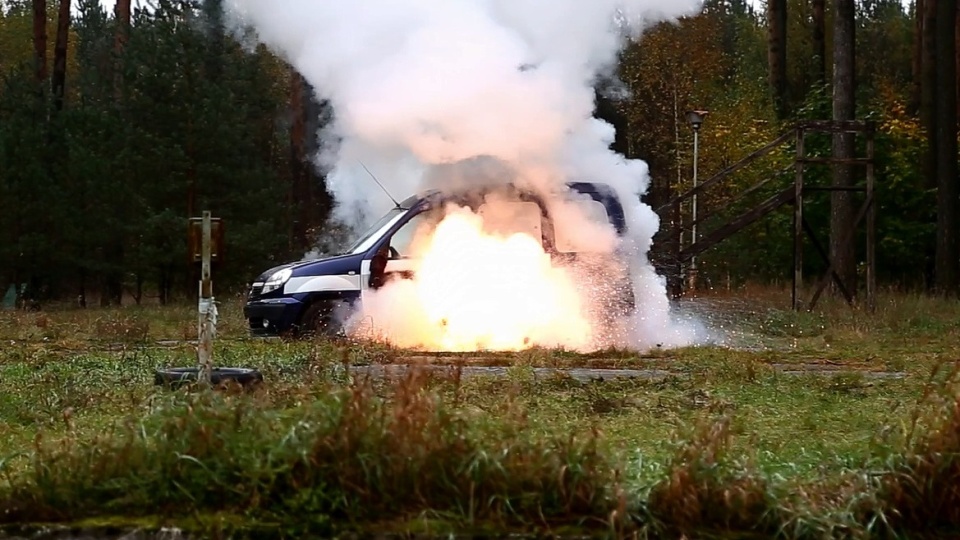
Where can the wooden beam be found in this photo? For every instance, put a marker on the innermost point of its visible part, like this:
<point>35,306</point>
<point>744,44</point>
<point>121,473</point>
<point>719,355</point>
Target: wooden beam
<point>826,258</point>
<point>205,341</point>
<point>833,160</point>
<point>795,194</point>
<point>836,126</point>
<point>835,188</point>
<point>728,171</point>
<point>847,238</point>
<point>707,216</point>
<point>735,225</point>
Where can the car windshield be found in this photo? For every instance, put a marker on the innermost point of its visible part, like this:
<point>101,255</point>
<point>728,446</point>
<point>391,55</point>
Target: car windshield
<point>373,234</point>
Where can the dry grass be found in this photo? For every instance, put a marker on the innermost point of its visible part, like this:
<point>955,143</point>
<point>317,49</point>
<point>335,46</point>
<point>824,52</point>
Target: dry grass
<point>726,446</point>
<point>920,490</point>
<point>702,492</point>
<point>354,454</point>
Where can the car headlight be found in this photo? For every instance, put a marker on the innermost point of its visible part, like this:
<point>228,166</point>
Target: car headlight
<point>276,280</point>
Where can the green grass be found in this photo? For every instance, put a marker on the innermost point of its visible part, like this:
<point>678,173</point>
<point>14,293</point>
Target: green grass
<point>726,445</point>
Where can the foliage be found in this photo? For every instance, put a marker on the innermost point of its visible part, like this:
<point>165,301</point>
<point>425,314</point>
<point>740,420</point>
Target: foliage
<point>94,200</point>
<point>906,220</point>
<point>717,61</point>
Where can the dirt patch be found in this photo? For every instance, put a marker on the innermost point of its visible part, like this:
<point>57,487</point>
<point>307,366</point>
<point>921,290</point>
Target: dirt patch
<point>592,374</point>
<point>89,533</point>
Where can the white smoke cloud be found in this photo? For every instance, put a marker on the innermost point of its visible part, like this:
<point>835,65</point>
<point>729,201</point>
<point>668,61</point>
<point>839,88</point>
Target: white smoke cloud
<point>419,87</point>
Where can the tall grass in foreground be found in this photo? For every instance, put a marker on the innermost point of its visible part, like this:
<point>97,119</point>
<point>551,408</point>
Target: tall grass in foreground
<point>921,487</point>
<point>342,456</point>
<point>310,454</point>
<point>911,488</point>
<point>329,458</point>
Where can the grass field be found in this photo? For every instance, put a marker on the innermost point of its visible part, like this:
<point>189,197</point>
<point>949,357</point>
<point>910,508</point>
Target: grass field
<point>838,423</point>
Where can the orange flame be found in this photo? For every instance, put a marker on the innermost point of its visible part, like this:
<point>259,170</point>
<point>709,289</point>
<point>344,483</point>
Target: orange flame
<point>475,289</point>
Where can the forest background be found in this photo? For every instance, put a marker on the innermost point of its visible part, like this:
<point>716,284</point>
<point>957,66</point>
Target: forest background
<point>117,126</point>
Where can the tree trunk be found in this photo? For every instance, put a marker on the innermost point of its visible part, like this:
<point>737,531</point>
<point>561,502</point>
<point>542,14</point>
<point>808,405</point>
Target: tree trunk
<point>311,202</point>
<point>916,66</point>
<point>114,253</point>
<point>928,85</point>
<point>299,176</point>
<point>138,289</point>
<point>165,285</point>
<point>82,297</point>
<point>820,41</point>
<point>777,53</point>
<point>112,290</point>
<point>59,79</point>
<point>213,13</point>
<point>948,191</point>
<point>40,40</point>
<point>122,14</point>
<point>844,108</point>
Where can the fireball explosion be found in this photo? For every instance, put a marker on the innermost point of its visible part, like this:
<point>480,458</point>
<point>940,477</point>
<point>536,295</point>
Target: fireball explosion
<point>460,95</point>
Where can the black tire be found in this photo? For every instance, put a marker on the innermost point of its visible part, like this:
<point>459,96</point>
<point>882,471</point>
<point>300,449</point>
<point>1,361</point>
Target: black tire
<point>318,321</point>
<point>178,377</point>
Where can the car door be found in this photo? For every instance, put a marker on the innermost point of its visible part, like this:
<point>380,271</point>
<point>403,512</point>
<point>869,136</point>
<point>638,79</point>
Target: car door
<point>396,256</point>
<point>390,257</point>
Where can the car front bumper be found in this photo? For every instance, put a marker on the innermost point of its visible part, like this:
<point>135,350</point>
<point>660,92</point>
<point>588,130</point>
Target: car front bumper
<point>273,316</point>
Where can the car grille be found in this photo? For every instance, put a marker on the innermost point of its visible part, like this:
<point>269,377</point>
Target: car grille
<point>256,290</point>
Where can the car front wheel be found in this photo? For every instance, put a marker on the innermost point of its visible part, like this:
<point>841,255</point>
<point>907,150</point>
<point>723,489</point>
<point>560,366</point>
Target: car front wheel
<point>319,320</point>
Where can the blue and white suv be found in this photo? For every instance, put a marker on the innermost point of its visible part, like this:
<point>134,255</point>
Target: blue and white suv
<point>314,297</point>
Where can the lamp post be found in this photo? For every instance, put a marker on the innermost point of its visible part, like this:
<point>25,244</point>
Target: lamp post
<point>695,118</point>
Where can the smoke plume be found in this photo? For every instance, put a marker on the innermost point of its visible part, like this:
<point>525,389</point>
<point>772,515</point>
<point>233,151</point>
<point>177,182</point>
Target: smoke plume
<point>453,93</point>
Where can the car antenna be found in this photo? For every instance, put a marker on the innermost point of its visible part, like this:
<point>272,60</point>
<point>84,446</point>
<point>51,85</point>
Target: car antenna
<point>379,184</point>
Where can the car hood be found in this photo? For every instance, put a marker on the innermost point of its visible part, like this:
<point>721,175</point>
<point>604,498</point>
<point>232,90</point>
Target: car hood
<point>337,264</point>
<point>270,271</point>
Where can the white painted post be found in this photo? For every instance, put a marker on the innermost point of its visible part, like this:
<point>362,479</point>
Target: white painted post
<point>207,307</point>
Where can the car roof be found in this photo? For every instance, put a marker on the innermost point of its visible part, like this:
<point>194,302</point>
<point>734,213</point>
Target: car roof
<point>599,192</point>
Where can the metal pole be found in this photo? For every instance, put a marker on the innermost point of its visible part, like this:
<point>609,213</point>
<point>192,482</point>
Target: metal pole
<point>693,232</point>
<point>207,309</point>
